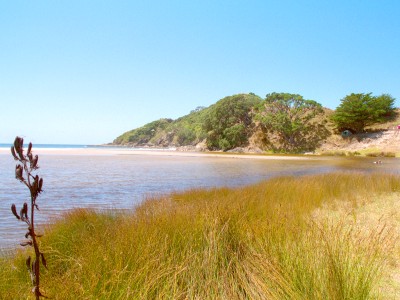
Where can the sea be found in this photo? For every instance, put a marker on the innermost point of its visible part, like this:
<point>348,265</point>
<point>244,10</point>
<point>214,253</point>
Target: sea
<point>121,182</point>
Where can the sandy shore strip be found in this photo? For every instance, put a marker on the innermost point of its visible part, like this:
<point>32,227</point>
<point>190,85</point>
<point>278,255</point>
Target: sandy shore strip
<point>151,152</point>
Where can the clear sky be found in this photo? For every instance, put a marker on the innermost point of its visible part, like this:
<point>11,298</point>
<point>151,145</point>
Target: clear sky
<point>84,72</point>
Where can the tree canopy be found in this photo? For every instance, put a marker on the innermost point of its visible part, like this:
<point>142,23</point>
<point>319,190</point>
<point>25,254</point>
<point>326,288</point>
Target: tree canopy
<point>228,122</point>
<point>358,111</point>
<point>292,119</point>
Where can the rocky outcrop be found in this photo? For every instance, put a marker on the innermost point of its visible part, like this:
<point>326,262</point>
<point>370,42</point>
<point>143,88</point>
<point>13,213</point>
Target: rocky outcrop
<point>249,149</point>
<point>200,147</point>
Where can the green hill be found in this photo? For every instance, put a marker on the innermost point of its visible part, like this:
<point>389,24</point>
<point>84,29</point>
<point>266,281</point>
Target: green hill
<point>228,119</point>
<point>241,123</point>
<point>245,122</point>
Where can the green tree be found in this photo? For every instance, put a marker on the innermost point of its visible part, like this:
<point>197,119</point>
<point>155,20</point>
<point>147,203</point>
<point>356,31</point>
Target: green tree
<point>185,136</point>
<point>357,111</point>
<point>292,120</point>
<point>229,121</point>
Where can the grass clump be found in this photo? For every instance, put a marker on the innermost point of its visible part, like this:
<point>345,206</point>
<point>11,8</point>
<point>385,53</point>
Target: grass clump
<point>259,242</point>
<point>340,153</point>
<point>381,154</point>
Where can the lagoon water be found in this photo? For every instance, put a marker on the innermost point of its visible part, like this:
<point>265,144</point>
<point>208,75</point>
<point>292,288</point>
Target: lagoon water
<point>122,181</point>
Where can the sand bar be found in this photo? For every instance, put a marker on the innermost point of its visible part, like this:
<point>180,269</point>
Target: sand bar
<point>90,151</point>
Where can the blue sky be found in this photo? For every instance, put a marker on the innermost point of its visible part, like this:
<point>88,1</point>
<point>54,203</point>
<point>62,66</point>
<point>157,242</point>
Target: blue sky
<point>84,72</point>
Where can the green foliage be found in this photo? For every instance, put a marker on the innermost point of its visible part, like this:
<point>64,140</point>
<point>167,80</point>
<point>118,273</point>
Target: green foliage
<point>182,131</point>
<point>188,130</point>
<point>292,119</point>
<point>358,111</point>
<point>143,134</point>
<point>228,122</point>
<point>235,135</point>
<point>185,136</point>
<point>225,124</point>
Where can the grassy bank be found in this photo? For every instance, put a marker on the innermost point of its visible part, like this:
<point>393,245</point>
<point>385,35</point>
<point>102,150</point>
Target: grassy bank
<point>280,239</point>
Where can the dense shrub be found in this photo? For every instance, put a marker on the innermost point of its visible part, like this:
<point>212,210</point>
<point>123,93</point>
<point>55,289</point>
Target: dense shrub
<point>356,111</point>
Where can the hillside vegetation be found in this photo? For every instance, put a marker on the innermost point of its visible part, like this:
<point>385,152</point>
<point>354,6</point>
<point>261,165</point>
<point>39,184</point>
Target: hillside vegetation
<point>231,122</point>
<point>281,122</point>
<point>194,127</point>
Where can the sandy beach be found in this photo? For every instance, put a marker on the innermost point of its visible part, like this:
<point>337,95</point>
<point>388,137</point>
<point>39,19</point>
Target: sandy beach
<point>156,152</point>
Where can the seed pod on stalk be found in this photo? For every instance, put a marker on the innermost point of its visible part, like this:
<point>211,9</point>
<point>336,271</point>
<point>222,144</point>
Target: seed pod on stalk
<point>28,262</point>
<point>14,211</point>
<point>34,162</point>
<point>29,149</point>
<point>28,243</point>
<point>40,185</point>
<point>13,153</point>
<point>35,186</point>
<point>26,165</point>
<point>18,172</point>
<point>22,214</point>
<point>18,144</point>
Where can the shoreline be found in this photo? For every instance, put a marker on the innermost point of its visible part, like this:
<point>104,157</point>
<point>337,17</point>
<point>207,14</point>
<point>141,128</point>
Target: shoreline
<point>111,152</point>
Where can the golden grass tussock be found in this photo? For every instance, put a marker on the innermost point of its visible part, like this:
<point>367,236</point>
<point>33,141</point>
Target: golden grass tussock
<point>286,238</point>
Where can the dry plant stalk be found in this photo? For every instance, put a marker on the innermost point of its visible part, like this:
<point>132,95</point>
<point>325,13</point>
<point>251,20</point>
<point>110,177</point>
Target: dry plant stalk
<point>27,164</point>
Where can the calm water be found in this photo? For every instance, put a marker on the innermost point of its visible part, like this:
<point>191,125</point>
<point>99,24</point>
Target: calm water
<point>123,181</point>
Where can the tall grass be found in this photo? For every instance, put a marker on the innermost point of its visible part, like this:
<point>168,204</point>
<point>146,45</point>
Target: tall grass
<point>257,242</point>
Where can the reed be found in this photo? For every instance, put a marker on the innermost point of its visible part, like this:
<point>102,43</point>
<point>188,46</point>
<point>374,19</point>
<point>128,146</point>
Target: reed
<point>258,242</point>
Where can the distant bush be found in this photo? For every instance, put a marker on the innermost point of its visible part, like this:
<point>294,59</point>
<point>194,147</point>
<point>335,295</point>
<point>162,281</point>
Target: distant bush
<point>340,153</point>
<point>358,111</point>
<point>381,154</point>
<point>333,153</point>
<point>355,153</point>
